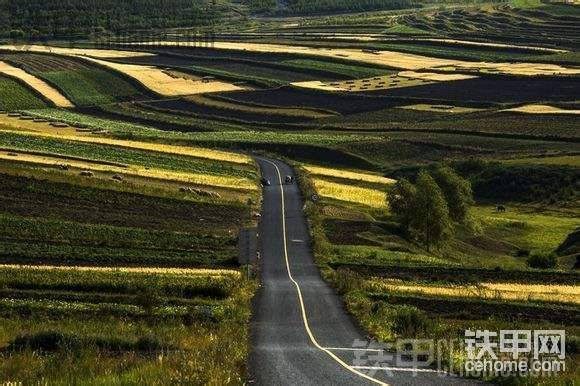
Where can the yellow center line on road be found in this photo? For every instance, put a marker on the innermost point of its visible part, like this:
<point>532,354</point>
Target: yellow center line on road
<point>299,291</point>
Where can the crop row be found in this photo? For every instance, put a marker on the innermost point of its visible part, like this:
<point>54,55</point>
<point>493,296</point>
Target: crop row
<point>117,282</point>
<point>30,197</point>
<point>84,85</point>
<point>98,152</point>
<point>14,96</point>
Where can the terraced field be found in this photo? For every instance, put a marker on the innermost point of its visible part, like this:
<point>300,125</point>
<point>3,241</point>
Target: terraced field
<point>120,214</point>
<point>83,84</point>
<point>502,24</point>
<point>106,252</point>
<point>38,85</point>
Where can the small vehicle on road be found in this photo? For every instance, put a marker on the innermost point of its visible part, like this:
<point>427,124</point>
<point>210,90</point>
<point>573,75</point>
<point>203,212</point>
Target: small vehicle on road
<point>289,179</point>
<point>265,182</point>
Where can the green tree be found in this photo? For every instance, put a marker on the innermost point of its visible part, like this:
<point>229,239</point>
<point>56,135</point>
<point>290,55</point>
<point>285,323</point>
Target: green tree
<point>457,191</point>
<point>431,223</point>
<point>401,199</point>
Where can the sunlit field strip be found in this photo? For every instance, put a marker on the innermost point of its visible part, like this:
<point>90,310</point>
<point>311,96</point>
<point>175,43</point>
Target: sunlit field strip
<point>172,271</point>
<point>95,53</point>
<point>193,178</point>
<point>371,197</point>
<point>543,109</point>
<point>196,152</point>
<point>329,172</point>
<point>489,291</point>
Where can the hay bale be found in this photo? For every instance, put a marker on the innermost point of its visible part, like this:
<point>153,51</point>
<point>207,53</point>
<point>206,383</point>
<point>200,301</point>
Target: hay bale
<point>26,118</point>
<point>117,177</point>
<point>63,167</point>
<point>87,173</point>
<point>39,120</point>
<point>14,115</point>
<point>58,124</point>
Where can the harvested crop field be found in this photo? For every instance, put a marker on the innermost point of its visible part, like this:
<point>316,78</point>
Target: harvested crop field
<point>365,196</point>
<point>543,109</point>
<point>349,175</point>
<point>40,86</point>
<point>82,82</point>
<point>493,291</point>
<point>86,52</point>
<point>391,58</point>
<point>163,83</point>
<point>499,90</point>
<point>441,108</point>
<point>400,80</point>
<point>402,60</point>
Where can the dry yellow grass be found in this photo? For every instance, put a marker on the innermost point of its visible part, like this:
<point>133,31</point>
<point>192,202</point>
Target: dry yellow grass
<point>356,176</point>
<point>162,83</point>
<point>37,84</point>
<point>132,170</point>
<point>370,197</point>
<point>495,291</point>
<point>17,124</point>
<point>495,45</point>
<point>441,108</point>
<point>172,271</point>
<point>542,109</point>
<point>434,76</point>
<point>196,152</point>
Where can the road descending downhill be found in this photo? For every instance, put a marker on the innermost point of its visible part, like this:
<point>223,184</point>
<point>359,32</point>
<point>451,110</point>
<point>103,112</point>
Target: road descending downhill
<point>301,333</point>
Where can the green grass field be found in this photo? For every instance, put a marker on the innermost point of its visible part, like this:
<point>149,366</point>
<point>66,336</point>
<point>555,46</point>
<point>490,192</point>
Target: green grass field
<point>14,96</point>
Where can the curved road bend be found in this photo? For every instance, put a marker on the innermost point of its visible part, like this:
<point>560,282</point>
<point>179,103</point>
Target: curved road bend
<point>301,333</point>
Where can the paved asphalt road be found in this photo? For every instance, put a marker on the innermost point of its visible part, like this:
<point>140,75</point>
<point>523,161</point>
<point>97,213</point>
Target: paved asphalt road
<point>301,333</point>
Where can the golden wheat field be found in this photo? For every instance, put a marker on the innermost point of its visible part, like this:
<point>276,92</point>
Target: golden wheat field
<point>349,175</point>
<point>172,271</point>
<point>162,83</point>
<point>543,109</point>
<point>492,291</point>
<point>371,197</point>
<point>86,52</point>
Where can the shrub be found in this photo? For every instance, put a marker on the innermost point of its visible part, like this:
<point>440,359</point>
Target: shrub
<point>542,261</point>
<point>46,341</point>
<point>410,322</point>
